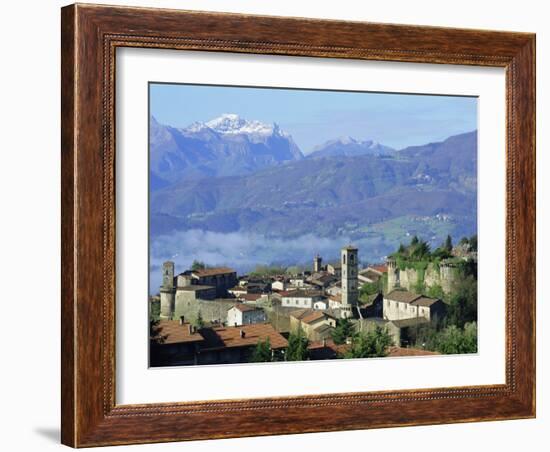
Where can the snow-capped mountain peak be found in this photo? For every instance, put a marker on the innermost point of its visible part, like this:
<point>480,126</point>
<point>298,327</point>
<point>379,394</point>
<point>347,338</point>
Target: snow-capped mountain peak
<point>233,124</point>
<point>349,146</point>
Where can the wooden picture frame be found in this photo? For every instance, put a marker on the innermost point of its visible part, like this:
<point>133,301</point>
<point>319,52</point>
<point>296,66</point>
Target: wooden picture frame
<point>90,36</point>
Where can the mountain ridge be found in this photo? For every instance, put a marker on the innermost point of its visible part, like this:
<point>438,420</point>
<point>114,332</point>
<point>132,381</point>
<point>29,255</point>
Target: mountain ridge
<point>225,146</point>
<point>331,195</point>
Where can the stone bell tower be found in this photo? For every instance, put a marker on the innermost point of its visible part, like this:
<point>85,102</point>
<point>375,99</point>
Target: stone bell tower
<point>349,260</point>
<point>167,291</point>
<point>317,263</point>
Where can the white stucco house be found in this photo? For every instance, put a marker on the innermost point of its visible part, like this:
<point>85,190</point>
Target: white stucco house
<point>301,298</point>
<point>245,314</point>
<point>401,305</point>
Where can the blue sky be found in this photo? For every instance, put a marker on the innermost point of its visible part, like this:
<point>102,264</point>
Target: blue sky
<point>313,117</point>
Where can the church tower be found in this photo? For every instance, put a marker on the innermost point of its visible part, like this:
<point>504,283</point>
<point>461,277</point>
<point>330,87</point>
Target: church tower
<point>349,260</point>
<point>167,292</point>
<point>317,263</point>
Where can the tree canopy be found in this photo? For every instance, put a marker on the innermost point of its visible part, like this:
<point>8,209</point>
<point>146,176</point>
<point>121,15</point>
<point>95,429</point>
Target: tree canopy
<point>370,345</point>
<point>344,329</point>
<point>198,265</point>
<point>297,346</point>
<point>262,352</point>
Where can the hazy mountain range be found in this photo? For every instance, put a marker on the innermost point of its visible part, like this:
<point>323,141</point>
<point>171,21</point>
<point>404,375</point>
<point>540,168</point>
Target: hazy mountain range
<point>233,176</point>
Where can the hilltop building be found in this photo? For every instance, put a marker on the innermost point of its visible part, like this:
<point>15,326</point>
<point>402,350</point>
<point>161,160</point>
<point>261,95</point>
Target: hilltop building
<point>167,291</point>
<point>300,298</point>
<point>317,325</point>
<point>350,294</point>
<point>317,263</point>
<point>191,285</point>
<point>245,314</point>
<point>404,305</point>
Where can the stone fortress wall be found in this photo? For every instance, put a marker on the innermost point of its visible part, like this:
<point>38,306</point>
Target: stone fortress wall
<point>445,275</point>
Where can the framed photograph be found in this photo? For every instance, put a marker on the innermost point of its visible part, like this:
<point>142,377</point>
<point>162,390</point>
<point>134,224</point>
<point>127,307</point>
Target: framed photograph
<point>266,219</point>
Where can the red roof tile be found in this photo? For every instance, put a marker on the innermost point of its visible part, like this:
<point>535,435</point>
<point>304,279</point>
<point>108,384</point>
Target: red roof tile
<point>213,271</point>
<point>171,332</point>
<point>227,337</point>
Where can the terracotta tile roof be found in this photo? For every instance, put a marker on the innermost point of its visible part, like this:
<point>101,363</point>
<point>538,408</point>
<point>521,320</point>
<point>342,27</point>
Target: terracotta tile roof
<point>227,337</point>
<point>399,351</point>
<point>313,317</point>
<point>424,301</point>
<point>299,313</point>
<point>310,316</point>
<point>317,346</point>
<point>213,271</point>
<point>246,307</point>
<point>370,274</point>
<point>195,288</point>
<point>250,296</point>
<point>324,327</point>
<point>173,333</point>
<point>411,298</point>
<point>403,296</point>
<point>382,268</point>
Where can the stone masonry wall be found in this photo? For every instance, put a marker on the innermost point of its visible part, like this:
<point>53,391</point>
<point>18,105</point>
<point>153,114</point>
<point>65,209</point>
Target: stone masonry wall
<point>445,276</point>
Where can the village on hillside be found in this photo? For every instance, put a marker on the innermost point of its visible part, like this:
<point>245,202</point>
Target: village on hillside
<point>418,302</point>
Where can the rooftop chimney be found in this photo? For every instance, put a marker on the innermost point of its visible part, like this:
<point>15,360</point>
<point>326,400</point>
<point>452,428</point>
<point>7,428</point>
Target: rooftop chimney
<point>324,342</point>
<point>182,320</point>
<point>242,333</point>
<point>190,328</point>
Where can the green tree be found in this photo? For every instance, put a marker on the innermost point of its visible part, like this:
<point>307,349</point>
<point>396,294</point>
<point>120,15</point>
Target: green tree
<point>370,288</point>
<point>262,352</point>
<point>267,270</point>
<point>370,345</point>
<point>294,270</point>
<point>344,329</point>
<point>463,303</point>
<point>297,346</point>
<point>197,265</point>
<point>414,241</point>
<point>420,250</point>
<point>435,291</point>
<point>453,340</point>
<point>402,250</point>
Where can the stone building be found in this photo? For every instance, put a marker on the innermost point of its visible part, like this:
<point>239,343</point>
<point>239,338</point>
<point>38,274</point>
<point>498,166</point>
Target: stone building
<point>211,311</point>
<point>335,269</point>
<point>167,291</point>
<point>191,285</point>
<point>349,261</point>
<point>245,314</point>
<point>300,298</point>
<point>369,275</point>
<point>402,305</point>
<point>317,263</point>
<point>222,278</point>
<point>445,275</point>
<point>317,325</point>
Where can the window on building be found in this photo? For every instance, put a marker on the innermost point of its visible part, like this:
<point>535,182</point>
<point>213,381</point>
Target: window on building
<point>344,259</point>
